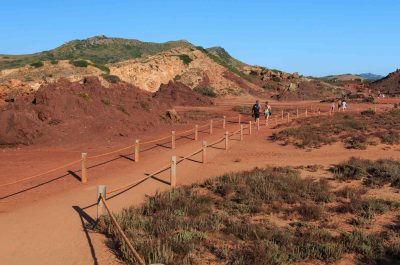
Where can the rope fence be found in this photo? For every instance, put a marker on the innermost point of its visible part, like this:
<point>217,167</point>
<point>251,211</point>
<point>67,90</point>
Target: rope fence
<point>195,130</point>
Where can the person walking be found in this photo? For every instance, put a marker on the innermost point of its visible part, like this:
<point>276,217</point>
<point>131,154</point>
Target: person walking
<point>333,106</point>
<point>255,111</point>
<point>267,112</point>
<point>344,105</point>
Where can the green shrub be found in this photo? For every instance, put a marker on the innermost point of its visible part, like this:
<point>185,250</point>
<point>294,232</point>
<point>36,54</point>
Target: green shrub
<point>54,61</point>
<point>276,79</point>
<point>373,173</point>
<point>206,91</point>
<point>356,142</point>
<point>369,99</point>
<point>145,105</point>
<point>185,58</point>
<point>368,112</point>
<point>37,64</point>
<point>252,72</point>
<point>79,63</point>
<point>352,169</point>
<point>111,78</point>
<point>101,67</point>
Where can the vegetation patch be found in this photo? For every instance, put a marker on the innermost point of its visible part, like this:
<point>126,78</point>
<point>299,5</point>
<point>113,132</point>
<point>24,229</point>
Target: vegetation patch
<point>185,58</point>
<point>37,64</point>
<point>79,63</point>
<point>85,96</point>
<point>102,67</point>
<point>226,221</point>
<point>206,91</point>
<point>356,131</point>
<point>111,78</point>
<point>373,173</point>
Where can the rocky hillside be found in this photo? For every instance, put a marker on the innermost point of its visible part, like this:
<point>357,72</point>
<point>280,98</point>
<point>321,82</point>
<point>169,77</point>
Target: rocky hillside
<point>191,66</point>
<point>98,49</point>
<point>148,66</point>
<point>389,85</point>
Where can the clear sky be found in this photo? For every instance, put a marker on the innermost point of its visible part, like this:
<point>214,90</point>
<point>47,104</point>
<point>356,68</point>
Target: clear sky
<point>313,37</point>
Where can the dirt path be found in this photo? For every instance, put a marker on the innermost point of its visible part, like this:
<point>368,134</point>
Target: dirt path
<point>48,228</point>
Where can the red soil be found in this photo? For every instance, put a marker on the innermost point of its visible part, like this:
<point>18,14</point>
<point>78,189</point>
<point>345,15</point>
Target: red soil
<point>68,112</point>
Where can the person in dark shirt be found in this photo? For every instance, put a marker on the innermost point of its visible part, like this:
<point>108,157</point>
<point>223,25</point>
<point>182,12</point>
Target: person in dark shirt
<point>256,111</point>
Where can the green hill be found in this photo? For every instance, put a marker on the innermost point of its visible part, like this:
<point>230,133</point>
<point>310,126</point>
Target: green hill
<point>99,49</point>
<point>225,56</point>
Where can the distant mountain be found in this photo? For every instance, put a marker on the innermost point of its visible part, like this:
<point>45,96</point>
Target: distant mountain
<point>371,76</point>
<point>343,77</point>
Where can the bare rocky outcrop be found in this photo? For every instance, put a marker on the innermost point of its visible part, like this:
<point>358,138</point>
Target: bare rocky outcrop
<point>151,72</point>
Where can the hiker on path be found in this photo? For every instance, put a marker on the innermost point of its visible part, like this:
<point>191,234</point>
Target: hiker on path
<point>333,106</point>
<point>344,105</point>
<point>255,111</point>
<point>267,111</point>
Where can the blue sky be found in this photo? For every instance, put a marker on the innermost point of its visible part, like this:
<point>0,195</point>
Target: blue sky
<point>312,37</point>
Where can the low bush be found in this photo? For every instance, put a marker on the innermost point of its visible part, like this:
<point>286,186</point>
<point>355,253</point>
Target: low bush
<point>224,218</point>
<point>111,78</point>
<point>206,91</point>
<point>373,173</point>
<point>79,63</point>
<point>185,58</point>
<point>85,96</point>
<point>37,64</point>
<point>356,131</point>
<point>369,99</point>
<point>368,112</point>
<point>54,61</point>
<point>102,67</point>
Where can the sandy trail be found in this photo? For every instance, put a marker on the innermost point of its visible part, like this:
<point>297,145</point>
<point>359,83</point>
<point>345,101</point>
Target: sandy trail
<point>47,228</point>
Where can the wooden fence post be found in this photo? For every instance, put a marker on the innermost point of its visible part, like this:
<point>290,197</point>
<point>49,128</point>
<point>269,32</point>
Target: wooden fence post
<point>84,176</point>
<point>297,112</point>
<point>211,126</point>
<point>239,119</point>
<point>101,190</point>
<point>204,152</point>
<point>137,150</point>
<point>282,114</point>
<point>226,140</point>
<point>224,122</point>
<point>306,113</point>
<point>250,127</point>
<point>258,124</point>
<point>241,132</point>
<point>173,133</point>
<point>173,171</point>
<point>288,118</point>
<point>196,132</point>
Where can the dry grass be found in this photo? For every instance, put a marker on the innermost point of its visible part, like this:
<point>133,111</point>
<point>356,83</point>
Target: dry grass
<point>226,221</point>
<point>373,173</point>
<point>356,131</point>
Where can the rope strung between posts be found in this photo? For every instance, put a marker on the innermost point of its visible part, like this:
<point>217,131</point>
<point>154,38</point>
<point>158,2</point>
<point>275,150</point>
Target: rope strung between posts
<point>41,174</point>
<point>142,143</point>
<point>126,239</point>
